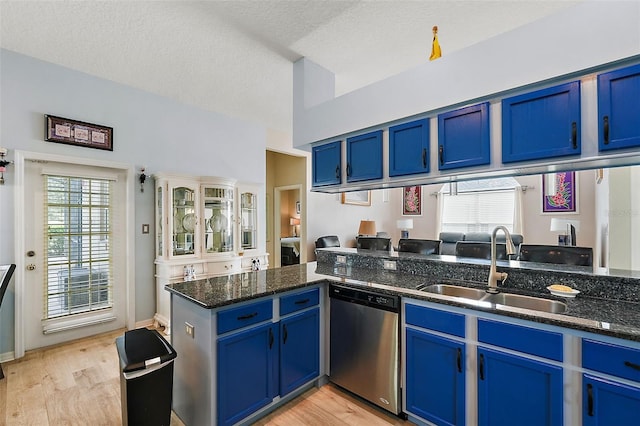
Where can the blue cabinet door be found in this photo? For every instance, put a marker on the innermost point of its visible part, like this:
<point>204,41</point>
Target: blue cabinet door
<point>541,124</point>
<point>247,372</point>
<point>409,148</point>
<point>364,157</point>
<point>325,164</point>
<point>606,402</point>
<point>463,137</point>
<point>435,378</point>
<point>299,350</point>
<point>619,109</point>
<point>514,390</point>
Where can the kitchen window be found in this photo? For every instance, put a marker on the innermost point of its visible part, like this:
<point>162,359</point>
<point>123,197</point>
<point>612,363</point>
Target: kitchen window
<point>480,205</point>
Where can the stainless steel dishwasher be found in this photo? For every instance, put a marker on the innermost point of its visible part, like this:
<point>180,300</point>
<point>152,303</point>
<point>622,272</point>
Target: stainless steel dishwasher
<point>364,345</point>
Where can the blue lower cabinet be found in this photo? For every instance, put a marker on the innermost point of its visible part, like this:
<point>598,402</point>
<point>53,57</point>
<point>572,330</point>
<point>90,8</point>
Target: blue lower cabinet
<point>247,377</point>
<point>299,350</point>
<point>435,378</point>
<point>607,402</point>
<point>513,390</point>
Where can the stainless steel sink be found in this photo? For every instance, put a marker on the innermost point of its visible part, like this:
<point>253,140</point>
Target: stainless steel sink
<point>456,291</point>
<point>526,302</point>
<point>504,299</point>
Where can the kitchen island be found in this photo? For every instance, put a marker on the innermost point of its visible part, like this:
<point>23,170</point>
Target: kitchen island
<point>200,307</point>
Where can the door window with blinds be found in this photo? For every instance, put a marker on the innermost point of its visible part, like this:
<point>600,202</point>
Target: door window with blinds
<point>478,206</point>
<point>78,236</point>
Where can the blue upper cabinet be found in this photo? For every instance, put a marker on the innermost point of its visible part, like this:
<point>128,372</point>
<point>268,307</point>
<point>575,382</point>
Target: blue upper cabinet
<point>326,161</point>
<point>541,124</point>
<point>619,109</point>
<point>463,137</point>
<point>364,157</point>
<point>409,148</point>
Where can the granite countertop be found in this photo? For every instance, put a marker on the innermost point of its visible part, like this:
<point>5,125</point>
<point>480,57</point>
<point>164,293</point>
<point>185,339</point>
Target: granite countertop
<point>591,314</point>
<point>211,293</point>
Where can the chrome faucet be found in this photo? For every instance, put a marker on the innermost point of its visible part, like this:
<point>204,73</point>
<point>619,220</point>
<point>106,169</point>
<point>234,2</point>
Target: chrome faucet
<point>495,276</point>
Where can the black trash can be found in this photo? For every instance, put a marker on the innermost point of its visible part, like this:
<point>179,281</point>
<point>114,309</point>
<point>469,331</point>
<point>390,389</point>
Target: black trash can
<point>146,381</point>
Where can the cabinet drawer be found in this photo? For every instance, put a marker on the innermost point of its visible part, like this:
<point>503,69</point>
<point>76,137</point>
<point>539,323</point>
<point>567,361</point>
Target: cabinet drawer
<point>435,319</point>
<point>547,344</point>
<point>243,316</point>
<point>611,359</point>
<point>225,267</point>
<point>298,301</point>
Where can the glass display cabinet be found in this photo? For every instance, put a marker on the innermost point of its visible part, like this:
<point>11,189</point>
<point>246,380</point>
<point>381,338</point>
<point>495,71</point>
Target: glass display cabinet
<point>209,225</point>
<point>183,220</point>
<point>248,220</point>
<point>218,219</point>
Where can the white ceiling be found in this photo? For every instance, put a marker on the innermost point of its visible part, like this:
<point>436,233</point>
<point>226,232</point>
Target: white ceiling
<point>234,57</point>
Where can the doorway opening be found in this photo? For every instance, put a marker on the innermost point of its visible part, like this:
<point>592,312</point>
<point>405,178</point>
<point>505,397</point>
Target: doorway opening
<point>288,225</point>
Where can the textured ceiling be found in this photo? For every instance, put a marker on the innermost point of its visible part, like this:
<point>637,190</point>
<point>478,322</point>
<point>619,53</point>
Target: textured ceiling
<point>234,57</point>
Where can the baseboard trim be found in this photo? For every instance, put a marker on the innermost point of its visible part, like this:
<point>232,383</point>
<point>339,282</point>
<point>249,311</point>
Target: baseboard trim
<point>144,324</point>
<point>7,356</point>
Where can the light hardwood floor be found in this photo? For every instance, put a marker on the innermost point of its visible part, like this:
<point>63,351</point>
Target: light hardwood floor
<point>79,384</point>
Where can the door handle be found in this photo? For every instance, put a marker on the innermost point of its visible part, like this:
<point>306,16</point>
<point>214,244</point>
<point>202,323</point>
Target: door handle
<point>270,338</point>
<point>31,267</point>
<point>481,368</point>
<point>424,158</point>
<point>338,172</point>
<point>285,334</point>
<point>459,360</point>
<point>590,400</point>
<point>441,154</point>
<point>574,135</point>
<point>632,365</point>
<point>605,129</point>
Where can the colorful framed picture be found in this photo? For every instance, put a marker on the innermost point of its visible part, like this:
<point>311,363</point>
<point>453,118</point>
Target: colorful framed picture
<point>358,198</point>
<point>412,201</point>
<point>79,133</point>
<point>559,193</point>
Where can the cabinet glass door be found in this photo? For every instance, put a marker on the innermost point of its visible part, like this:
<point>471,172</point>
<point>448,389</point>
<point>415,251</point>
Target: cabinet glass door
<point>218,217</point>
<point>184,221</point>
<point>248,221</point>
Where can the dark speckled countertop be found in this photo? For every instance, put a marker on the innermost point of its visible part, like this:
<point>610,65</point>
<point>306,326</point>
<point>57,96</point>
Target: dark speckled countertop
<point>215,292</point>
<point>606,316</point>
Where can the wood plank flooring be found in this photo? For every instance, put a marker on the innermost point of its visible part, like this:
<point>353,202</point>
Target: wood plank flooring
<point>79,384</point>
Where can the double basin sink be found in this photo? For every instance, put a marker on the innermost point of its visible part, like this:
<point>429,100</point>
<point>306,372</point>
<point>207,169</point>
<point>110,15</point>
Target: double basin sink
<point>505,299</point>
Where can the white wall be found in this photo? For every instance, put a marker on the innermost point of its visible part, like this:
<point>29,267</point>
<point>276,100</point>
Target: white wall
<point>590,34</point>
<point>149,130</point>
<point>624,218</point>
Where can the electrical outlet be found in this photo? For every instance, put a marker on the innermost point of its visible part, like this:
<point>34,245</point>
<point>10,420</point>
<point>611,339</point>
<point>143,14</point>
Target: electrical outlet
<point>189,329</point>
<point>341,259</point>
<point>390,265</point>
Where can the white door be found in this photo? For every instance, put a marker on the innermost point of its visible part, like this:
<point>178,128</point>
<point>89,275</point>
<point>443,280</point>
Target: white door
<point>75,257</point>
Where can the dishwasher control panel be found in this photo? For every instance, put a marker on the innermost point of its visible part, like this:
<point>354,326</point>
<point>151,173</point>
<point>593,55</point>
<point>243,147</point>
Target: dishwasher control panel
<point>365,297</point>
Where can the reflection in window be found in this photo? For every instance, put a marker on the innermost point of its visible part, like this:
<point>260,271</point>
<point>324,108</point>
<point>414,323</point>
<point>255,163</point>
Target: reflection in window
<point>479,205</point>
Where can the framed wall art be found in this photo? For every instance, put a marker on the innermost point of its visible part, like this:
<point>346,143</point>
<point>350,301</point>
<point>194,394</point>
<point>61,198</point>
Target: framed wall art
<point>358,198</point>
<point>559,193</point>
<point>79,133</point>
<point>412,201</point>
